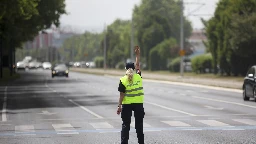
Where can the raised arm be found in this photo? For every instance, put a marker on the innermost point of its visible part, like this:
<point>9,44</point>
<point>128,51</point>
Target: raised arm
<point>137,53</point>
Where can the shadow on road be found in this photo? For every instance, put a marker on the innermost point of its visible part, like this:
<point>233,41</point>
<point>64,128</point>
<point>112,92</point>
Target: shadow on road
<point>31,92</point>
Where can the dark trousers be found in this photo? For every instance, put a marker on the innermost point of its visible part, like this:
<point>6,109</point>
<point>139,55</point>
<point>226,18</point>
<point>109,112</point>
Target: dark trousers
<point>126,118</point>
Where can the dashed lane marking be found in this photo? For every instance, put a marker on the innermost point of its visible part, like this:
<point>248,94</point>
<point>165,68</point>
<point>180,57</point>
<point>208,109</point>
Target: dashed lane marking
<point>222,101</point>
<point>171,109</point>
<point>87,110</point>
<point>4,116</point>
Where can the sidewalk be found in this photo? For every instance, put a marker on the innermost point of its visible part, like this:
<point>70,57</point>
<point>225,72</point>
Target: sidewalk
<point>218,82</point>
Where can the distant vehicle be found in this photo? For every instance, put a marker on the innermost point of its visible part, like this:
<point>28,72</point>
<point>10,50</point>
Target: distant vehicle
<point>60,70</point>
<point>27,58</point>
<point>32,65</point>
<point>249,85</point>
<point>39,65</point>
<point>90,64</point>
<point>21,65</point>
<point>77,64</point>
<point>47,65</point>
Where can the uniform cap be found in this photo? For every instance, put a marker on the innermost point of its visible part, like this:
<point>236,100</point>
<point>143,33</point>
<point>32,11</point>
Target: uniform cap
<point>129,65</point>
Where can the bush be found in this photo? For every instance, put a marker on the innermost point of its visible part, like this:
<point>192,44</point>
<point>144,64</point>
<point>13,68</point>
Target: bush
<point>99,62</point>
<point>174,65</point>
<point>154,60</point>
<point>201,63</point>
<point>120,65</point>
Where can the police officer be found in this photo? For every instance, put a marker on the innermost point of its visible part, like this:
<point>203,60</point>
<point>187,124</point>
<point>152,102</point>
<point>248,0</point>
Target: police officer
<point>131,99</point>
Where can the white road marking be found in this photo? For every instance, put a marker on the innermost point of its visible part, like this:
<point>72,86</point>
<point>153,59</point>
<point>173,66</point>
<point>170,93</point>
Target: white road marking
<point>233,129</point>
<point>46,113</point>
<point>192,129</point>
<point>4,117</point>
<point>246,121</point>
<point>26,92</point>
<point>214,108</point>
<point>152,130</point>
<point>171,109</point>
<point>87,110</point>
<point>145,125</point>
<point>101,125</point>
<point>213,123</point>
<point>5,124</point>
<point>24,128</point>
<point>182,94</point>
<point>222,101</point>
<point>46,85</point>
<point>176,123</point>
<point>213,118</point>
<point>64,129</point>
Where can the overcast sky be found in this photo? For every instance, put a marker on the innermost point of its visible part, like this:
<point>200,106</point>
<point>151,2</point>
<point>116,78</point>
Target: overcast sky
<point>92,14</point>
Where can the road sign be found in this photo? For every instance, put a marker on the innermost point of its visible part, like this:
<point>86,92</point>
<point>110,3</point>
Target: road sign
<point>182,52</point>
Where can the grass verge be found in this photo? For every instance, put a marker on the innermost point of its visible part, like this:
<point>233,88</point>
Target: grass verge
<point>7,78</point>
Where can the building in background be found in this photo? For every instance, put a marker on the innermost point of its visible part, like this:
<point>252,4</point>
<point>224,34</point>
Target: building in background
<point>47,44</point>
<point>196,40</point>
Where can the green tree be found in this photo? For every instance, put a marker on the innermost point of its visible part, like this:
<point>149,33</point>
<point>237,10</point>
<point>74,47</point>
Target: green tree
<point>156,21</point>
<point>117,42</point>
<point>82,47</point>
<point>21,21</point>
<point>231,34</point>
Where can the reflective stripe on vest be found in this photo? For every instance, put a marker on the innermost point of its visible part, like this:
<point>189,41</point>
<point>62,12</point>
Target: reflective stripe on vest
<point>134,92</point>
<point>140,88</point>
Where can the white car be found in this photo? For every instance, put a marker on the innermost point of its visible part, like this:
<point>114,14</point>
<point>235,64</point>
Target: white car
<point>21,65</point>
<point>32,65</point>
<point>47,65</point>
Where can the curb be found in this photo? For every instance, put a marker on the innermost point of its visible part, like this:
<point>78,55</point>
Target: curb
<point>186,84</point>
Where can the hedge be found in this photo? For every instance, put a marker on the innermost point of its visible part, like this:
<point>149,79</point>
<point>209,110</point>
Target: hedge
<point>201,63</point>
<point>99,61</point>
<point>174,65</point>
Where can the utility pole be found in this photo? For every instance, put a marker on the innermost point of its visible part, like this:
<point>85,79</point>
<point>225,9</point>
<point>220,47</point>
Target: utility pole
<point>132,43</point>
<point>181,38</point>
<point>72,51</point>
<point>56,56</point>
<point>105,46</point>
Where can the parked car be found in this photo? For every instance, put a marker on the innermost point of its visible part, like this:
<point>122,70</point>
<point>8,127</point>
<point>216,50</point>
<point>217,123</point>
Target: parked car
<point>60,70</point>
<point>249,85</point>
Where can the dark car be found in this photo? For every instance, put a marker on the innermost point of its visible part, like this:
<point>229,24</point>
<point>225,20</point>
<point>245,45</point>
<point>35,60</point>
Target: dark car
<point>60,70</point>
<point>249,86</point>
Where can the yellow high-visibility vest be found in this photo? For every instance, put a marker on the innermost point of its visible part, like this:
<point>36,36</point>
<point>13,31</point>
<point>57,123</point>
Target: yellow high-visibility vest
<point>134,92</point>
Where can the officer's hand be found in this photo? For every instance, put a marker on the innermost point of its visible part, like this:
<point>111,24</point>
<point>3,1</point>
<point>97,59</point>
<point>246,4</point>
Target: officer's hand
<point>137,50</point>
<point>119,109</point>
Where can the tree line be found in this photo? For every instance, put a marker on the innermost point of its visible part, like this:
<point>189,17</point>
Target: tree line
<point>21,20</point>
<point>231,36</point>
<point>156,26</point>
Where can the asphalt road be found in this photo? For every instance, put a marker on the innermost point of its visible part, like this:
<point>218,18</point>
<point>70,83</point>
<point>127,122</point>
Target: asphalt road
<point>81,109</point>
